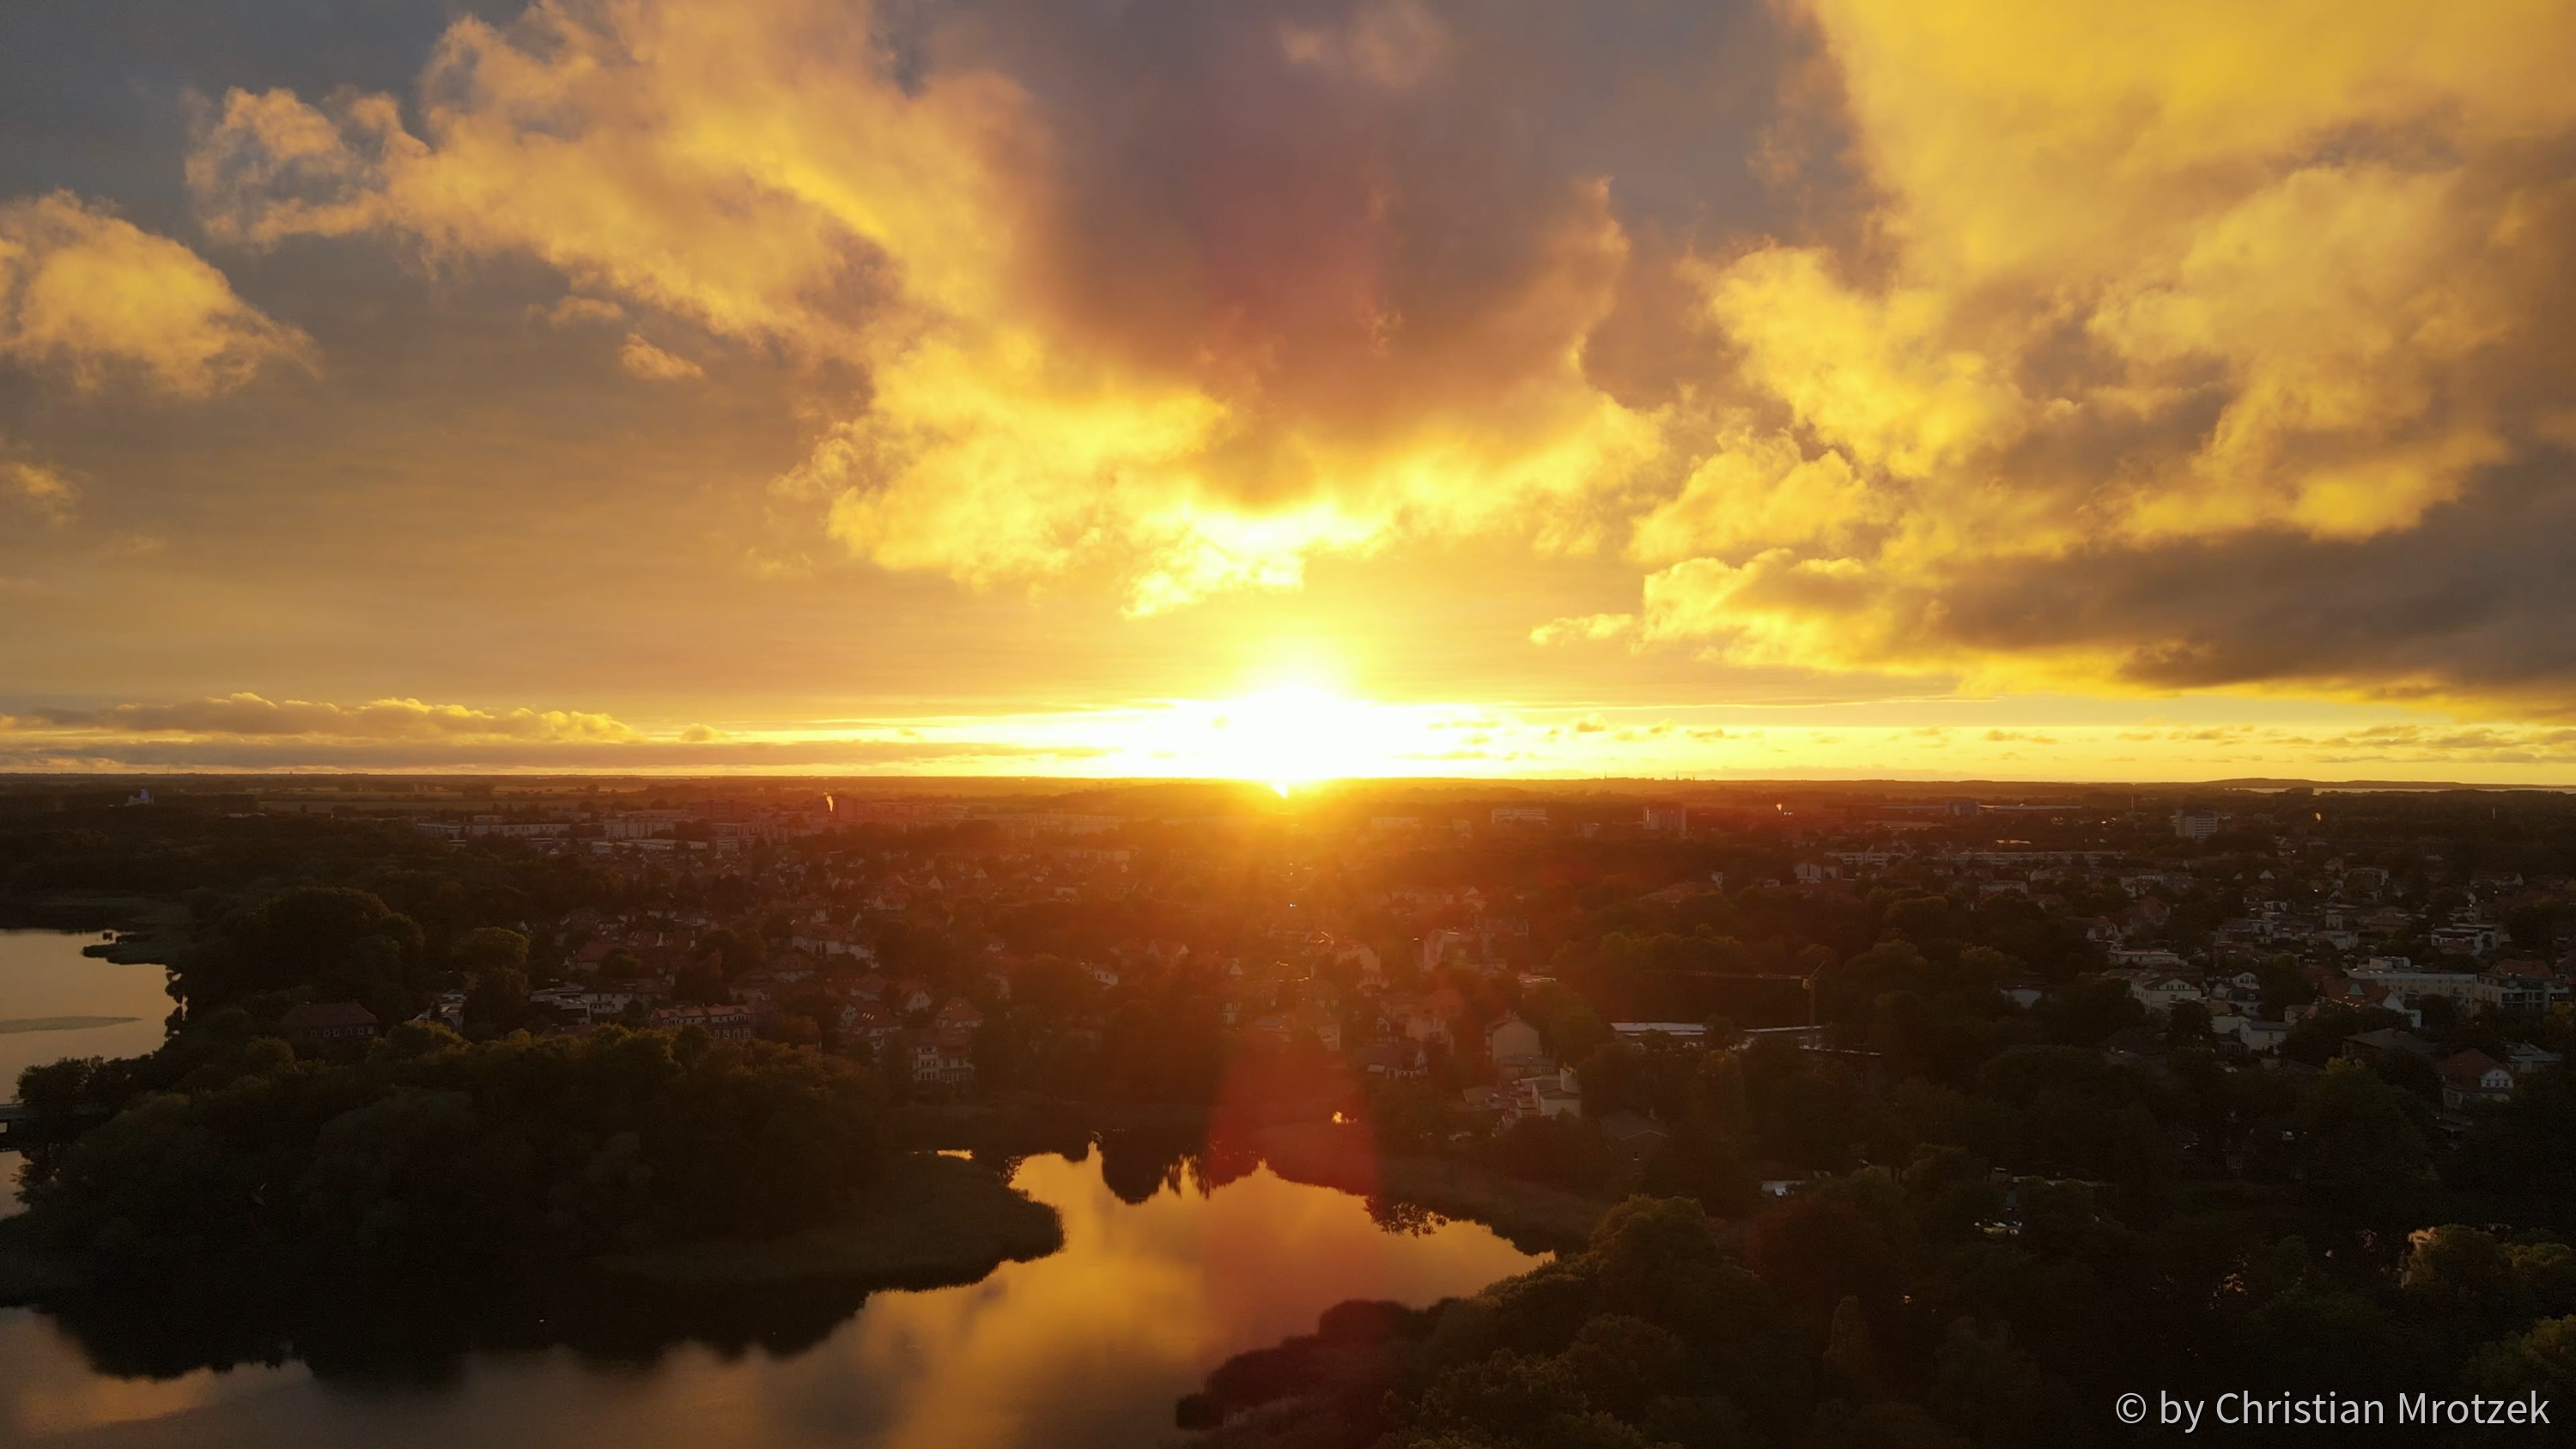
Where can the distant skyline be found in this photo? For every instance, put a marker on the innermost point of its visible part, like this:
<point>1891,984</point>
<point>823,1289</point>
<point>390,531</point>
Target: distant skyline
<point>1286,391</point>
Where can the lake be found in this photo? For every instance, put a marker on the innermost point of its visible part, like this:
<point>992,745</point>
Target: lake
<point>44,977</point>
<point>1085,1349</point>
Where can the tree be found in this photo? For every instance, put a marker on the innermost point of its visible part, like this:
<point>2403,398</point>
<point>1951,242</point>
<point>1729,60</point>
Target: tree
<point>726,952</point>
<point>486,947</point>
<point>2542,1361</point>
<point>1700,1163</point>
<point>1815,1252</point>
<point>499,999</point>
<point>2464,1276</point>
<point>325,942</point>
<point>1565,1152</point>
<point>1988,1388</point>
<point>2355,1133</point>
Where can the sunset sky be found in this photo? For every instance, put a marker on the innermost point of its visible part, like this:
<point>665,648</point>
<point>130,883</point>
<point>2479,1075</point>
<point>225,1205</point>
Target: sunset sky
<point>1288,390</point>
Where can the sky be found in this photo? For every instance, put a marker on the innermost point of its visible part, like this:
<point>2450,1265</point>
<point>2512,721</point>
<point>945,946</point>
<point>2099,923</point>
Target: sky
<point>1834,388</point>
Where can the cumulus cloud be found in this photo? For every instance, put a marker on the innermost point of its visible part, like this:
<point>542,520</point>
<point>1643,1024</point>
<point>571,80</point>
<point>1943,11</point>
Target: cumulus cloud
<point>250,715</point>
<point>1390,42</point>
<point>41,490</point>
<point>2163,308</point>
<point>1080,350</point>
<point>574,309</point>
<point>2070,346</point>
<point>88,293</point>
<point>647,361</point>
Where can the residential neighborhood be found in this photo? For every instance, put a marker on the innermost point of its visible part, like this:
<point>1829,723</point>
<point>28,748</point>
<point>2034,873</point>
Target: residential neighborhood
<point>1504,956</point>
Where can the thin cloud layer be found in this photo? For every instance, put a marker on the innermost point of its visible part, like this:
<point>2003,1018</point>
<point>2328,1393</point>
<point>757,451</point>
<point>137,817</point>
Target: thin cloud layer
<point>90,295</point>
<point>248,714</point>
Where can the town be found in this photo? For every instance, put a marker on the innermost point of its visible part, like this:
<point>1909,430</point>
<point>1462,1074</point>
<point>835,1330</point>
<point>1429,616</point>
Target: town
<point>1873,1113</point>
<point>1513,952</point>
<point>2228,927</point>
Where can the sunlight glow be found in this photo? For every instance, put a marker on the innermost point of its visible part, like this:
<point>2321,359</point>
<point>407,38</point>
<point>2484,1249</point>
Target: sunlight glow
<point>1296,735</point>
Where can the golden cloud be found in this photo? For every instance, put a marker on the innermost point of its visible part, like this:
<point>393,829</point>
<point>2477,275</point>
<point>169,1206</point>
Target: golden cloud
<point>43,490</point>
<point>1295,383</point>
<point>2200,346</point>
<point>90,293</point>
<point>2152,280</point>
<point>651,363</point>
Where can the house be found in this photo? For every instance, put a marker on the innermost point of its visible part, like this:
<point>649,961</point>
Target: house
<point>1632,1136</point>
<point>910,996</point>
<point>725,1023</point>
<point>1438,946</point>
<point>613,1000</point>
<point>2096,928</point>
<point>2260,1035</point>
<point>1425,1019</point>
<point>2360,994</point>
<point>2473,1078</point>
<point>1372,975</point>
<point>570,1001</point>
<point>1550,1096</point>
<point>959,1015</point>
<point>944,1056</point>
<point>2522,986</point>
<point>873,1025</point>
<point>1679,1033</point>
<point>1394,1059</point>
<point>2524,1058</point>
<point>2159,992</point>
<point>328,1021</point>
<point>1324,1026</point>
<point>2141,916</point>
<point>1516,1049</point>
<point>2387,1039</point>
<point>1282,1027</point>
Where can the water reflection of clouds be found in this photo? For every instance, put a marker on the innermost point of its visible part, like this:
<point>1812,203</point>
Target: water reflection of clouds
<point>1089,1347</point>
<point>49,1390</point>
<point>1092,1346</point>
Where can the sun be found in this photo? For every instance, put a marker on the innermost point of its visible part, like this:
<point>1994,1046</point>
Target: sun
<point>1296,735</point>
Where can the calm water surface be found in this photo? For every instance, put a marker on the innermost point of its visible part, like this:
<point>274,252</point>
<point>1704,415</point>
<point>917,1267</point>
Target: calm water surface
<point>43,974</point>
<point>1088,1347</point>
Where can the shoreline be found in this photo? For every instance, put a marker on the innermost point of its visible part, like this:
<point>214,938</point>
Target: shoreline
<point>933,1222</point>
<point>150,930</point>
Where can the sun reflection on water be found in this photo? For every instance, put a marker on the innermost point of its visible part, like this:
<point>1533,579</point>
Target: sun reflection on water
<point>1087,1347</point>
